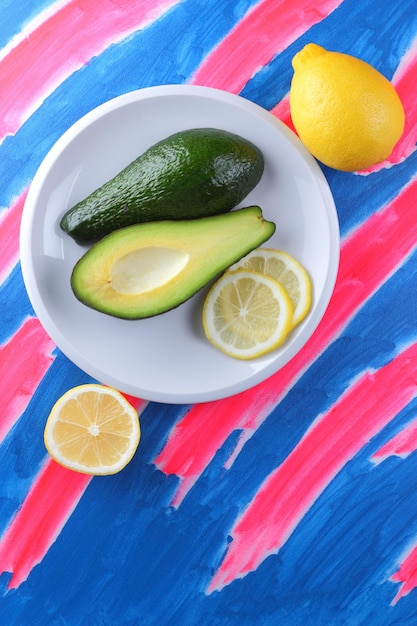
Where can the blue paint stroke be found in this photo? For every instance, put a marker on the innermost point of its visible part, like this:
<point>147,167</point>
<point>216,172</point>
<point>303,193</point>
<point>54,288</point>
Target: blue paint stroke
<point>125,556</point>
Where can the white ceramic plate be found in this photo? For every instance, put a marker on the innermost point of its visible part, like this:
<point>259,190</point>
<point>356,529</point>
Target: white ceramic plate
<point>167,358</point>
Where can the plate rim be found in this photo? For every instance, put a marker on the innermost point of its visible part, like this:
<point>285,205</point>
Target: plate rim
<point>59,146</point>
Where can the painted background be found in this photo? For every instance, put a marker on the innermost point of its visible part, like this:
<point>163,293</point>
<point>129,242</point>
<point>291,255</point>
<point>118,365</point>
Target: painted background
<point>294,503</point>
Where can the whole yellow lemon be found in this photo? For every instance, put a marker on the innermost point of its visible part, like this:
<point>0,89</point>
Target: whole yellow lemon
<point>346,113</point>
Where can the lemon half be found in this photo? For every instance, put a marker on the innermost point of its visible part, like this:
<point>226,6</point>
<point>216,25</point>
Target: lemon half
<point>92,429</point>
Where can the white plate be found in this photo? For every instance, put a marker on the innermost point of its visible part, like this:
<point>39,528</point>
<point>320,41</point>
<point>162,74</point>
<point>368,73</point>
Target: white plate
<point>167,358</point>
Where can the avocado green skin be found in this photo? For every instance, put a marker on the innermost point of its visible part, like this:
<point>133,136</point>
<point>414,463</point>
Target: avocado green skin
<point>193,173</point>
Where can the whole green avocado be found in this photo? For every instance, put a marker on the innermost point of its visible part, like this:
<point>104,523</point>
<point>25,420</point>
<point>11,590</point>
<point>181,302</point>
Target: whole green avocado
<point>193,173</point>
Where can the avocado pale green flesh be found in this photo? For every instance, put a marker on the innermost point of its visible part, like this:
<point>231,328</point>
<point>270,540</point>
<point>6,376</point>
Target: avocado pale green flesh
<point>193,173</point>
<point>147,269</point>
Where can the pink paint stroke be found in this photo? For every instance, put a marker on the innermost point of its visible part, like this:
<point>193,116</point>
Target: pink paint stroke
<point>24,360</point>
<point>9,236</point>
<point>267,29</point>
<point>51,500</point>
<point>49,504</point>
<point>404,81</point>
<point>196,438</point>
<point>406,575</point>
<point>368,257</point>
<point>403,444</point>
<point>42,60</point>
<point>283,112</point>
<point>332,440</point>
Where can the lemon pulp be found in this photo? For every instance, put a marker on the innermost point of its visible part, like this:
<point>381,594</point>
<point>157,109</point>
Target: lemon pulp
<point>92,429</point>
<point>247,314</point>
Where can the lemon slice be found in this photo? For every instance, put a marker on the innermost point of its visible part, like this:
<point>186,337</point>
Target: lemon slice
<point>92,429</point>
<point>247,314</point>
<point>283,268</point>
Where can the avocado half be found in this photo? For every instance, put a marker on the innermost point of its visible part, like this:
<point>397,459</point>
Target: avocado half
<point>143,270</point>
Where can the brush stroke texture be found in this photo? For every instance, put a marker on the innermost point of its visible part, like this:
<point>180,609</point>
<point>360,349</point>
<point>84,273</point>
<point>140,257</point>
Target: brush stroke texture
<point>304,583</point>
<point>40,62</point>
<point>331,442</point>
<point>45,509</point>
<point>406,575</point>
<point>404,81</point>
<point>19,378</point>
<point>9,236</point>
<point>235,60</point>
<point>367,258</point>
<point>403,444</point>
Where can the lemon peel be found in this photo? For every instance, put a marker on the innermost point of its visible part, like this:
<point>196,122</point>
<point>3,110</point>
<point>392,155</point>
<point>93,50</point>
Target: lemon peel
<point>347,114</point>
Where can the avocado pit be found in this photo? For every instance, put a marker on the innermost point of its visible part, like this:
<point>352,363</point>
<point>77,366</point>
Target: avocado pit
<point>146,269</point>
